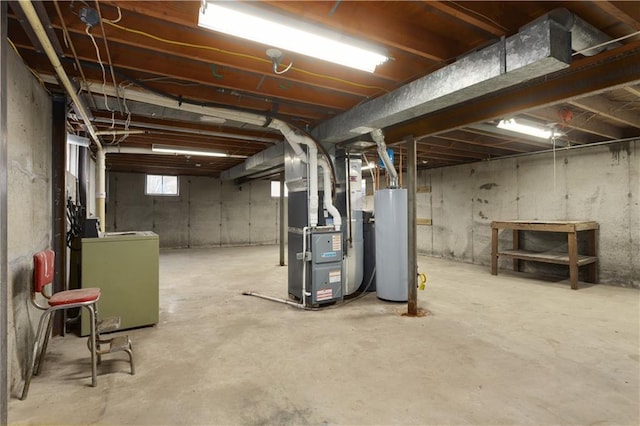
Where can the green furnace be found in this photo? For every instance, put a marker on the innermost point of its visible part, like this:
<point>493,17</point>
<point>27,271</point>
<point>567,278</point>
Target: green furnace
<point>125,267</point>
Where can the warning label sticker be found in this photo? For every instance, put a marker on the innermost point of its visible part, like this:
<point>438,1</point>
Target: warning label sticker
<point>336,242</point>
<point>334,276</point>
<point>324,294</point>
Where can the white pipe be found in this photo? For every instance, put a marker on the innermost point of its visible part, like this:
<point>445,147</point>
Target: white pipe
<point>304,265</point>
<point>328,198</point>
<point>120,132</point>
<point>154,99</point>
<point>378,137</point>
<point>41,34</point>
<point>295,140</point>
<point>101,193</point>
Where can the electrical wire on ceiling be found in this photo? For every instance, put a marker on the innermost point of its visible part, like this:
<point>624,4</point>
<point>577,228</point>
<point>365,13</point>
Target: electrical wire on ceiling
<point>141,83</point>
<point>106,46</point>
<point>241,55</point>
<point>104,73</point>
<point>479,15</point>
<point>69,43</point>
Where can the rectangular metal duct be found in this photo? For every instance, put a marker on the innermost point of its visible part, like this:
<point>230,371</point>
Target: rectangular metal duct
<point>541,48</point>
<point>270,157</point>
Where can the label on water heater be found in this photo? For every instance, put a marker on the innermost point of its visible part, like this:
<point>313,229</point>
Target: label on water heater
<point>324,294</point>
<point>336,242</point>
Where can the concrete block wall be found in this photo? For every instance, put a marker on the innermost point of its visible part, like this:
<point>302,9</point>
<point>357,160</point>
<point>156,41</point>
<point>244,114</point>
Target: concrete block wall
<point>29,214</point>
<point>208,212</point>
<point>600,183</point>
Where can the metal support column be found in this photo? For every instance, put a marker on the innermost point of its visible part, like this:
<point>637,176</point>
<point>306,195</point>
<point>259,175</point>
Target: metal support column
<point>58,195</point>
<point>412,255</point>
<point>283,228</point>
<point>4,291</point>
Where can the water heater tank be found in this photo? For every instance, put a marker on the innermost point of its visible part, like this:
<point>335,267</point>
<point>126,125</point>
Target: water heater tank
<point>391,244</point>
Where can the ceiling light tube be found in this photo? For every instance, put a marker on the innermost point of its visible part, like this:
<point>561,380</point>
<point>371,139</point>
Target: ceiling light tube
<point>526,127</point>
<point>177,150</point>
<point>274,30</point>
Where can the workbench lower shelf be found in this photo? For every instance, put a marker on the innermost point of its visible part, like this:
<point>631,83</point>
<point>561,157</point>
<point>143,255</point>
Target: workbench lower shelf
<point>571,258</point>
<point>547,257</point>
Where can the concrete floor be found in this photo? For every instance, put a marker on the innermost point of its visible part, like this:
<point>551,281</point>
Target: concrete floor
<point>506,349</point>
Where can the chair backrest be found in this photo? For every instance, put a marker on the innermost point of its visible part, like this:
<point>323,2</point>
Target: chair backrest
<point>43,269</point>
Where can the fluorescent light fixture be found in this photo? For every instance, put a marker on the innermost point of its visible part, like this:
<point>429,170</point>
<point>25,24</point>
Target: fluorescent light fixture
<point>274,30</point>
<point>77,140</point>
<point>369,166</point>
<point>166,149</point>
<point>526,127</point>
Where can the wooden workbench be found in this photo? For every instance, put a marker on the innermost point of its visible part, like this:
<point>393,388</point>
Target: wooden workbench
<point>573,259</point>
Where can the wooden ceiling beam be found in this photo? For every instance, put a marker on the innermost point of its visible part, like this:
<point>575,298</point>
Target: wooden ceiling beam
<point>185,14</point>
<point>254,61</point>
<point>127,58</point>
<point>262,137</point>
<point>484,151</point>
<point>467,17</point>
<point>359,19</point>
<point>586,122</point>
<point>615,11</point>
<point>424,147</point>
<point>307,113</point>
<point>612,110</point>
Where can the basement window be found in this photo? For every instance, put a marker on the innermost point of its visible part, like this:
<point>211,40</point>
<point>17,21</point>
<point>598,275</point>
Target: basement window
<point>275,189</point>
<point>161,185</point>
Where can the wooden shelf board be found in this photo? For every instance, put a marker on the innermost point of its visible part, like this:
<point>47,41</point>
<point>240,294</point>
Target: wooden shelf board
<point>547,257</point>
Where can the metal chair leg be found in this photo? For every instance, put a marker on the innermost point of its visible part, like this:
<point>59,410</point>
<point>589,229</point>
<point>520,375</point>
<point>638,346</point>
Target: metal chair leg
<point>34,356</point>
<point>45,344</point>
<point>94,367</point>
<point>129,352</point>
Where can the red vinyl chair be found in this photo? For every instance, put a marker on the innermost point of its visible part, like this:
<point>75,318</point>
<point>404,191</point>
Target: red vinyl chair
<point>43,264</point>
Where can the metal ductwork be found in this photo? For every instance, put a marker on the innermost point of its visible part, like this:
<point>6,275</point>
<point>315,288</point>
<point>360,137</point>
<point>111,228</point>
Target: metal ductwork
<point>264,160</point>
<point>538,49</point>
<point>583,34</point>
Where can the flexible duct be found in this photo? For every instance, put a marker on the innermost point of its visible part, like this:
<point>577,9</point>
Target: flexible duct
<point>378,138</point>
<point>328,197</point>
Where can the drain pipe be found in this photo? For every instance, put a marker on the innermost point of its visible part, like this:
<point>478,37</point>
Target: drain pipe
<point>43,38</point>
<point>378,138</point>
<point>328,197</point>
<point>295,140</point>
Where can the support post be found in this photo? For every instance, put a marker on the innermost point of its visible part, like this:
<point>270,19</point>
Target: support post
<point>412,255</point>
<point>58,194</point>
<point>572,241</point>
<point>4,291</point>
<point>282,224</point>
